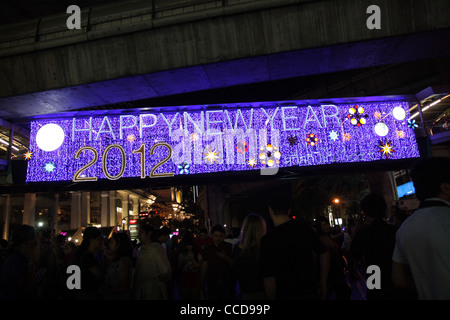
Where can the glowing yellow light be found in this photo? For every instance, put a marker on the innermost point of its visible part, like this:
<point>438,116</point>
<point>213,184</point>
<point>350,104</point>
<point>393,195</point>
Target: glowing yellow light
<point>211,156</point>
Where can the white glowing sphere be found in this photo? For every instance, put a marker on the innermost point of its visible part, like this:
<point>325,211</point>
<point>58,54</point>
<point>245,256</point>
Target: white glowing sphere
<point>399,113</point>
<point>381,129</point>
<point>50,137</point>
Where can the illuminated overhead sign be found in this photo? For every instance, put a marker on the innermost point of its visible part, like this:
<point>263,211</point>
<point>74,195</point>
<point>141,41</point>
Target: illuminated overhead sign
<point>232,137</point>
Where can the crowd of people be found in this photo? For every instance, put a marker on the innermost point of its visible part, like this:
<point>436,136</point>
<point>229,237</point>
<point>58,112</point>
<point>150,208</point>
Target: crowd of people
<point>295,259</point>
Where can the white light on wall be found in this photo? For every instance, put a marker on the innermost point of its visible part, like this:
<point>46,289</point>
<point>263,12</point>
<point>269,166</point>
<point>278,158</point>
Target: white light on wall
<point>399,113</point>
<point>381,129</point>
<point>50,137</point>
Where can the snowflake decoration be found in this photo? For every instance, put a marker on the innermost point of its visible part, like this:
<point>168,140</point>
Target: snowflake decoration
<point>211,156</point>
<point>184,168</point>
<point>311,139</point>
<point>49,167</point>
<point>195,136</point>
<point>386,148</point>
<point>401,134</point>
<point>347,137</point>
<point>412,124</point>
<point>28,155</point>
<point>378,115</point>
<point>242,147</point>
<point>356,116</point>
<point>333,135</point>
<point>251,162</point>
<point>293,140</point>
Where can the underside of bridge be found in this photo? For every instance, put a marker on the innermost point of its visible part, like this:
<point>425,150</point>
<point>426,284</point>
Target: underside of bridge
<point>145,54</point>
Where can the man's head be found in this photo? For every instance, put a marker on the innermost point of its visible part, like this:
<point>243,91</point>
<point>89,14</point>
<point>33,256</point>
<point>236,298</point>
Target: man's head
<point>431,178</point>
<point>279,206</point>
<point>218,234</point>
<point>373,206</point>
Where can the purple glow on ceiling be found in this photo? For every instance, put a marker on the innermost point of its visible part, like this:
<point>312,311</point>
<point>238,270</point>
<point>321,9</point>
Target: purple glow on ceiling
<point>226,138</point>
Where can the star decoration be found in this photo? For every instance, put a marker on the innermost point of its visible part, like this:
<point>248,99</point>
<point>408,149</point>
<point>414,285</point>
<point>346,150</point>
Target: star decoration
<point>386,148</point>
<point>251,162</point>
<point>49,167</point>
<point>28,155</point>
<point>333,135</point>
<point>211,156</point>
<point>412,124</point>
<point>131,138</point>
<point>184,168</point>
<point>293,140</point>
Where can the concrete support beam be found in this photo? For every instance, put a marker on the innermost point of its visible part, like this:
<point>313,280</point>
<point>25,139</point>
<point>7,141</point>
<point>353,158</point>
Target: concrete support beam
<point>7,217</point>
<point>29,209</point>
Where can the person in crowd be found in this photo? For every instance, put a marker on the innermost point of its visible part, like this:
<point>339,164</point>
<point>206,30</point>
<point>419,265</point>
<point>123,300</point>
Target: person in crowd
<point>189,265</point>
<point>19,279</point>
<point>421,258</point>
<point>153,270</point>
<point>87,258</point>
<point>217,267</point>
<point>202,240</point>
<point>336,276</point>
<point>119,273</point>
<point>246,254</point>
<point>287,257</point>
<point>374,243</point>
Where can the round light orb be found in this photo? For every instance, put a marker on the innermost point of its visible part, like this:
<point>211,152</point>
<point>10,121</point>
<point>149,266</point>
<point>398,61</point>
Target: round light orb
<point>50,137</point>
<point>399,113</point>
<point>381,129</point>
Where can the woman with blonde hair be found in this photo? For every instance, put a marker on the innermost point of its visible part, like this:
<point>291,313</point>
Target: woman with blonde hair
<point>246,256</point>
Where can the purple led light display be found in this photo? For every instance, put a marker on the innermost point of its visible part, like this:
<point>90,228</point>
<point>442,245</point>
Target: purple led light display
<point>184,142</point>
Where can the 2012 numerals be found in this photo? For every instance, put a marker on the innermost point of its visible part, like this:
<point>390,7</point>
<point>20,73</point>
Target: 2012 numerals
<point>78,177</point>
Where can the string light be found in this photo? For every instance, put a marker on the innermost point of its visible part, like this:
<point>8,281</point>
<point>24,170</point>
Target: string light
<point>210,146</point>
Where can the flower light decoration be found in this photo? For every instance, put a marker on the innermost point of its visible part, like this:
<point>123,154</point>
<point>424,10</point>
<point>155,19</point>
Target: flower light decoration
<point>242,147</point>
<point>183,168</point>
<point>269,155</point>
<point>311,139</point>
<point>386,148</point>
<point>412,124</point>
<point>293,140</point>
<point>357,116</point>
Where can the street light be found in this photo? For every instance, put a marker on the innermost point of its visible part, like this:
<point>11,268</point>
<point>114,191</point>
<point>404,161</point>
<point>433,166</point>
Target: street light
<point>336,200</point>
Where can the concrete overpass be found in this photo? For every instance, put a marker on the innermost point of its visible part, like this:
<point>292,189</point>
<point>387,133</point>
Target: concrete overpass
<point>135,50</point>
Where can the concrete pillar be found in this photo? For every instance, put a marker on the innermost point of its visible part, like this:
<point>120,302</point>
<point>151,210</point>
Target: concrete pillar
<point>75,211</point>
<point>55,214</point>
<point>112,208</point>
<point>85,208</point>
<point>6,217</point>
<point>29,209</point>
<point>105,208</point>
<point>125,210</point>
<point>215,204</point>
<point>383,184</point>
